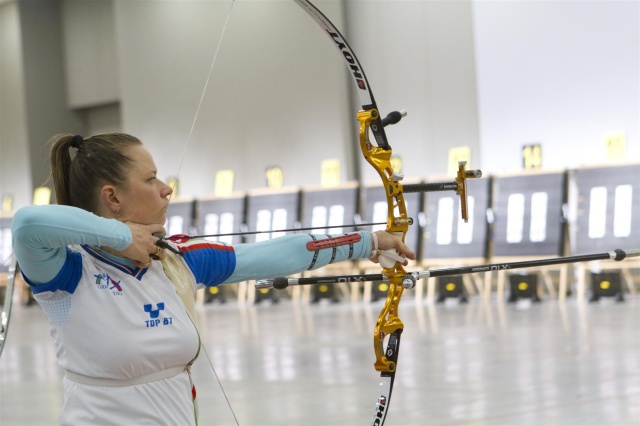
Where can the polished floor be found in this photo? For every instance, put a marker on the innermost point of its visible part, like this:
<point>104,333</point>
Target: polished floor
<point>481,363</point>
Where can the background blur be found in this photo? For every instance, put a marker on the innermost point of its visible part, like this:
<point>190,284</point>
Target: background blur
<point>492,76</point>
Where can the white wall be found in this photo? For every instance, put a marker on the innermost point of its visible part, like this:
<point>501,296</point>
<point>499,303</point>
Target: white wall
<point>561,73</point>
<point>492,75</point>
<point>47,111</point>
<point>15,173</point>
<point>418,56</point>
<point>276,95</point>
<point>279,93</point>
<point>90,53</point>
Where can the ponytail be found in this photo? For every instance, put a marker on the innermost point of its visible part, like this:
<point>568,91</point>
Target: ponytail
<point>60,167</point>
<point>80,167</point>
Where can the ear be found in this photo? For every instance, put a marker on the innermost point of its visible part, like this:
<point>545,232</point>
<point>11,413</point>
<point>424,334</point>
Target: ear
<point>110,199</point>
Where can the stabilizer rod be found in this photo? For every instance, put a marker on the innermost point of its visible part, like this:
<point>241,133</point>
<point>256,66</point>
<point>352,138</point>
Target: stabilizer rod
<point>411,277</point>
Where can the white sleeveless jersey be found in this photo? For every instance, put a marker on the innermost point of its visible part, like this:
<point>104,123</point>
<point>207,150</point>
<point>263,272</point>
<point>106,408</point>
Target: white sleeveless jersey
<point>117,326</point>
<point>124,338</point>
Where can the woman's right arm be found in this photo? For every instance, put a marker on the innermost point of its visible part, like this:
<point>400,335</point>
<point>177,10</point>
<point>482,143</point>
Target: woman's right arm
<point>41,233</point>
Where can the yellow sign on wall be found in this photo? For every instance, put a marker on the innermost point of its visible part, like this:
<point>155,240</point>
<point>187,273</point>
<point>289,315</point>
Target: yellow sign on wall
<point>7,203</point>
<point>274,176</point>
<point>174,183</point>
<point>330,174</point>
<point>457,154</point>
<point>41,196</point>
<point>532,156</point>
<point>396,163</point>
<point>224,182</point>
<point>616,146</point>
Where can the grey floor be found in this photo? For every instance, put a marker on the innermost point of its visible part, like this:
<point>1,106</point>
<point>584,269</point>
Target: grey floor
<point>481,363</point>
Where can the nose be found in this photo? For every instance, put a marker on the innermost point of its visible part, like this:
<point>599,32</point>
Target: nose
<point>166,190</point>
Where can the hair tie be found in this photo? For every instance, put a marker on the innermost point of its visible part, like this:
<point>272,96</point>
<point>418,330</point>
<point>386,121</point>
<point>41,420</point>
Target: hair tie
<point>77,141</point>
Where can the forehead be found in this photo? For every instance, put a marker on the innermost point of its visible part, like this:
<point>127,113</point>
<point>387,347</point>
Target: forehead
<point>142,159</point>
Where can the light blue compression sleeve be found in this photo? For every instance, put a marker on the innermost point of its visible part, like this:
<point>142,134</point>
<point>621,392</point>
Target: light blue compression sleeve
<point>288,255</point>
<point>41,233</point>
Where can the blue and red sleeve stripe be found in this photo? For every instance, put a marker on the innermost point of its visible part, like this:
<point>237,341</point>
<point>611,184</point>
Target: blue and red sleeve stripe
<point>211,263</point>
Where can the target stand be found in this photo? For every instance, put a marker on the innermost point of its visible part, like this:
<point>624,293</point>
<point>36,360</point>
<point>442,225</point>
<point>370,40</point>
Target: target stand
<point>606,284</point>
<point>523,287</point>
<point>379,290</point>
<point>266,294</point>
<point>215,294</point>
<point>451,287</point>
<point>324,291</point>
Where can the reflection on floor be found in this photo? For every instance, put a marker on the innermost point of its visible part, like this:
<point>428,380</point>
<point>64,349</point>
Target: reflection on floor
<point>484,363</point>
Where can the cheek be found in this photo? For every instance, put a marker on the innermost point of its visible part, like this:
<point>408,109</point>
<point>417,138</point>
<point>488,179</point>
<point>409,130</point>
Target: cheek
<point>141,199</point>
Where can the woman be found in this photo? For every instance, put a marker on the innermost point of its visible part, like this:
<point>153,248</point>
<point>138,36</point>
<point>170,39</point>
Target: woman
<point>122,333</point>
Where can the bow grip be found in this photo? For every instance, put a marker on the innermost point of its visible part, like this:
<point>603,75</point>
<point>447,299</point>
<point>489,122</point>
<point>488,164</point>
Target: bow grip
<point>389,262</point>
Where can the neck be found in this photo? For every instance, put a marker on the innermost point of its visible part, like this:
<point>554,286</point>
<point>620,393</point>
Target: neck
<point>113,252</point>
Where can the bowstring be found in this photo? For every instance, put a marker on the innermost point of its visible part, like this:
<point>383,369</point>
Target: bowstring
<point>215,373</point>
<point>204,91</point>
<point>182,157</point>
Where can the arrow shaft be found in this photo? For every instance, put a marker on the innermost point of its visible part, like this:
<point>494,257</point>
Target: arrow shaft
<point>617,255</point>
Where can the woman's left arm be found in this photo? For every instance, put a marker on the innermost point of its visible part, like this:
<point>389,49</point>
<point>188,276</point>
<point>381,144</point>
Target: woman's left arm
<point>214,263</point>
<point>289,255</point>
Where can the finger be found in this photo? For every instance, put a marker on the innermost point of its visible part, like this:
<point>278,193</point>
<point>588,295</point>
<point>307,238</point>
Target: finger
<point>402,248</point>
<point>406,251</point>
<point>409,254</point>
<point>160,253</point>
<point>157,254</point>
<point>143,265</point>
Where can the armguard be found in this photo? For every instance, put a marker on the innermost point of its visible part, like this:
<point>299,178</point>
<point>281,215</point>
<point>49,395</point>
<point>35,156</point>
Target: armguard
<point>332,242</point>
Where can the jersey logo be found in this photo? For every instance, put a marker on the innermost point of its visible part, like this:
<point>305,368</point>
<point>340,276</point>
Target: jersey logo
<point>104,281</point>
<point>116,285</point>
<point>154,313</point>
